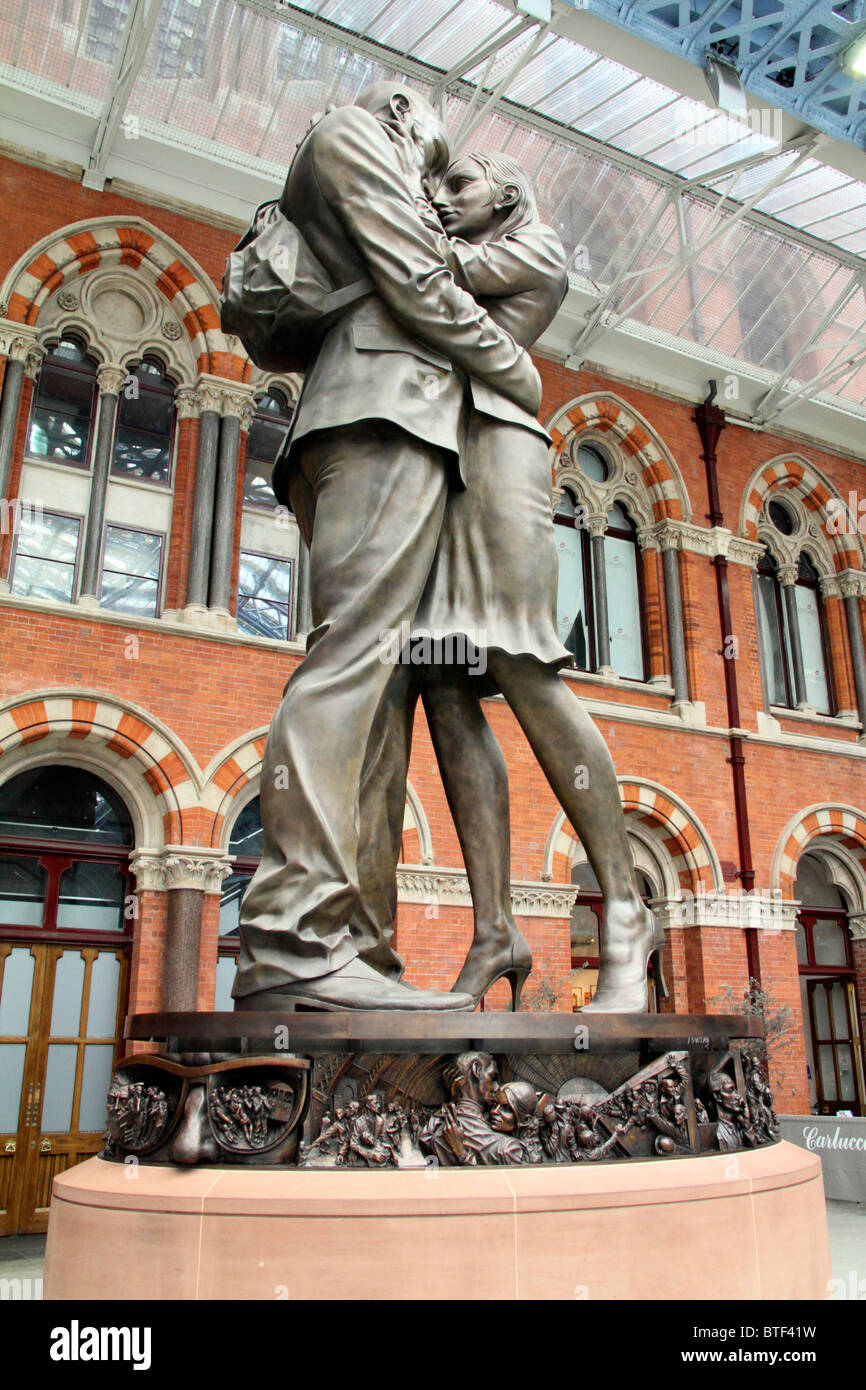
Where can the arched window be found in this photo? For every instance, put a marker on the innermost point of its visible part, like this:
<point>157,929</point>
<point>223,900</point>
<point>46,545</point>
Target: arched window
<point>790,616</point>
<point>61,420</point>
<point>145,425</point>
<point>574,607</point>
<point>624,607</point>
<point>63,840</point>
<point>245,846</point>
<point>269,427</point>
<point>578,618</point>
<point>828,991</point>
<point>65,928</point>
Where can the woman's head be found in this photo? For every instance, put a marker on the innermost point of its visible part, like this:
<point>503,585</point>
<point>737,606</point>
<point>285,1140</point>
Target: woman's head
<point>482,196</point>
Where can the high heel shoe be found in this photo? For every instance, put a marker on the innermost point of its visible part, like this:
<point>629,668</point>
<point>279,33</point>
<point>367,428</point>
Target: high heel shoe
<point>622,985</point>
<point>484,965</point>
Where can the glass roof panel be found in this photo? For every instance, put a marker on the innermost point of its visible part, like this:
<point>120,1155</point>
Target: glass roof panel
<point>240,82</point>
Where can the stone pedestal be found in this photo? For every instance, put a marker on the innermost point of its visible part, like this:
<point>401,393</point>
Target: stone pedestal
<point>746,1225</point>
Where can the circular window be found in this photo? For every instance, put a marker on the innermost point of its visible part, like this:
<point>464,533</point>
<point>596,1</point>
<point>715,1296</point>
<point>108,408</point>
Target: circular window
<point>592,463</point>
<point>782,518</point>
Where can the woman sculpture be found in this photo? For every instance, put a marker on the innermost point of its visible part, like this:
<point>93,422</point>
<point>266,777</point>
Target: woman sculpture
<point>494,581</point>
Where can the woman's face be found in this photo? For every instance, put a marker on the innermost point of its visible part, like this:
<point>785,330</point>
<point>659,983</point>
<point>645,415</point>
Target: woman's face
<point>466,201</point>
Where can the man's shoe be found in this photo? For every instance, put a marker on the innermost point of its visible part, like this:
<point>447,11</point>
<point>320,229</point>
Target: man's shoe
<point>353,986</point>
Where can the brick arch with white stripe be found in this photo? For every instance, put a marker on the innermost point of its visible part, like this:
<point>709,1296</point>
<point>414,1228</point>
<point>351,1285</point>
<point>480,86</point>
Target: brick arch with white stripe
<point>675,831</point>
<point>836,826</point>
<point>796,476</point>
<point>233,778</point>
<point>658,478</point>
<point>108,242</point>
<point>144,760</point>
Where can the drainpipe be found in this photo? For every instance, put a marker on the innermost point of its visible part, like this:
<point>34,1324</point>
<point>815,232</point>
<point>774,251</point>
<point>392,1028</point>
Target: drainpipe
<point>710,421</point>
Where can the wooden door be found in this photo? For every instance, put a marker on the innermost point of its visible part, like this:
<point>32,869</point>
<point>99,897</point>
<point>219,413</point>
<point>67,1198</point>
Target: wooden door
<point>836,1045</point>
<point>61,1010</point>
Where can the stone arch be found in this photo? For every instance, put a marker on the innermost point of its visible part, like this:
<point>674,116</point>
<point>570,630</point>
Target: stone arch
<point>839,832</point>
<point>662,826</point>
<point>138,755</point>
<point>230,781</point>
<point>53,265</point>
<point>417,828</point>
<point>644,473</point>
<point>795,478</point>
<point>233,779</point>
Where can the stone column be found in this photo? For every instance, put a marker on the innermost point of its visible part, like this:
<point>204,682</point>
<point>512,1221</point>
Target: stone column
<point>852,585</point>
<point>23,354</point>
<point>238,408</point>
<point>597,525</point>
<point>303,609</point>
<point>669,541</point>
<point>840,666</point>
<point>788,580</point>
<point>210,403</point>
<point>185,875</point>
<point>110,382</point>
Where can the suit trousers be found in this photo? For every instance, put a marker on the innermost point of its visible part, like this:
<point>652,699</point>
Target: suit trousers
<point>370,500</point>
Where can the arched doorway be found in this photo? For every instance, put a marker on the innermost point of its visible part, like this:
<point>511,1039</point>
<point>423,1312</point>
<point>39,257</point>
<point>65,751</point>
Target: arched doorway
<point>66,920</point>
<point>828,991</point>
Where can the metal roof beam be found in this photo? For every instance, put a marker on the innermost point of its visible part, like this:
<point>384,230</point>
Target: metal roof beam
<point>766,408</point>
<point>600,321</point>
<point>481,53</point>
<point>133,46</point>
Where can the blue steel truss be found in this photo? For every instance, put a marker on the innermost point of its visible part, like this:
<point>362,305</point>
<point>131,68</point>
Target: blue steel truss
<point>788,52</point>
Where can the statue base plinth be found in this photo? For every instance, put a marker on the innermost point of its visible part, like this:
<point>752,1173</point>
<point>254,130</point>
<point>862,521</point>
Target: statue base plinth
<point>750,1225</point>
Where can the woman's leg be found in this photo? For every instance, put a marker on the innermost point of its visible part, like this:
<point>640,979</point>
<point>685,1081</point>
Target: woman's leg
<point>475,778</point>
<point>577,764</point>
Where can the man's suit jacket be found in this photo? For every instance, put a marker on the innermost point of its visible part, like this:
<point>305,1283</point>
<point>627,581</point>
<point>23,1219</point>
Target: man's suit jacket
<point>402,353</point>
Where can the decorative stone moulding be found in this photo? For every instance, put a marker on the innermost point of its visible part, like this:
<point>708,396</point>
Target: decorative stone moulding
<point>176,867</point>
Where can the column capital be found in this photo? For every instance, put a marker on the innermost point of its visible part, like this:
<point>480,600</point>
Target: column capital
<point>225,397</point>
<point>110,379</point>
<point>787,575</point>
<point>596,523</point>
<point>852,583</point>
<point>857,925</point>
<point>829,586</point>
<point>669,535</point>
<point>180,866</point>
<point>186,403</point>
<point>18,342</point>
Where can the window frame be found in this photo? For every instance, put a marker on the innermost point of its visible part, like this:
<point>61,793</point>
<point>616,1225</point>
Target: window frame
<point>142,531</point>
<point>290,605</point>
<point>85,466</point>
<point>768,568</point>
<point>588,589</point>
<point>617,533</point>
<point>55,856</point>
<point>13,560</point>
<point>256,504</point>
<point>166,484</point>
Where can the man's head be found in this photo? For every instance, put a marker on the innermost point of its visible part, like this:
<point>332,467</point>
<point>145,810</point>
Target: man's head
<point>412,116</point>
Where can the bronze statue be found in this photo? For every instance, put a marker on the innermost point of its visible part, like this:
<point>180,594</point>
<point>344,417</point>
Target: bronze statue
<point>373,446</point>
<point>448,491</point>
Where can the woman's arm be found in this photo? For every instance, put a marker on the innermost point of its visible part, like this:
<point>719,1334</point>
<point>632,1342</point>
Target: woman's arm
<point>529,258</point>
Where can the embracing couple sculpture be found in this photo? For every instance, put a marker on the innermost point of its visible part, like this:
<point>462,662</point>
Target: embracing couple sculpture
<point>420,479</point>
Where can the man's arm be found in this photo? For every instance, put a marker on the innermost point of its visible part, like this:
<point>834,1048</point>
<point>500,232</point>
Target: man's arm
<point>360,179</point>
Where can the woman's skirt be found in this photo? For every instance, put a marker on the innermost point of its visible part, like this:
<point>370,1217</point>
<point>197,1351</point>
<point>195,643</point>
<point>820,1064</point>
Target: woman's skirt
<point>494,577</point>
